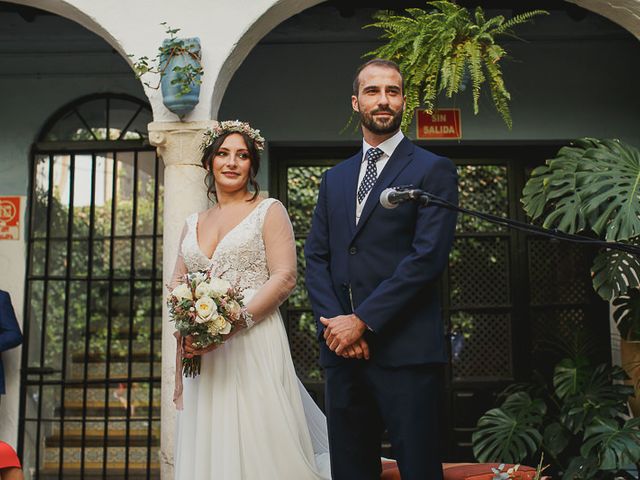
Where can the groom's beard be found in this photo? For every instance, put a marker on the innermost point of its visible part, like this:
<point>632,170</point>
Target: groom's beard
<point>384,125</point>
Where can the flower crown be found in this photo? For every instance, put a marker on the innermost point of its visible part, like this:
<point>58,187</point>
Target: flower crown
<point>232,126</point>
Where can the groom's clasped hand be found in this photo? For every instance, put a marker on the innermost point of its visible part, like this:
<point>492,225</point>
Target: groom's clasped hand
<point>343,335</point>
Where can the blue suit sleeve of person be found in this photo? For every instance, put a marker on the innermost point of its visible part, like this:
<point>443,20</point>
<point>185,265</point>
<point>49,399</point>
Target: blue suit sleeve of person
<point>10,334</point>
<point>432,241</point>
<point>317,255</point>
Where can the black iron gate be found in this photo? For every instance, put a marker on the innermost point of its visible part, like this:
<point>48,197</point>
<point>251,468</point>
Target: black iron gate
<point>90,403</point>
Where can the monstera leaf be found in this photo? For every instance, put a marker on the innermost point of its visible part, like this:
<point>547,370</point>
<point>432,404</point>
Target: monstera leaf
<point>627,314</point>
<point>615,446</point>
<point>609,179</point>
<point>569,376</point>
<point>614,273</point>
<point>581,468</point>
<point>601,394</point>
<point>592,185</point>
<point>534,194</point>
<point>552,189</point>
<point>556,438</point>
<point>511,432</point>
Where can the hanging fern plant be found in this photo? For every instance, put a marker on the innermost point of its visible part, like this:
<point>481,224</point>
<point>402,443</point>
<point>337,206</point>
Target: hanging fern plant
<point>435,48</point>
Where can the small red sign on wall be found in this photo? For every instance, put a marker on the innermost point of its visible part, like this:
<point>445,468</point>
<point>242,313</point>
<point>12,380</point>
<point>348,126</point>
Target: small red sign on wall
<point>9,218</point>
<point>442,124</point>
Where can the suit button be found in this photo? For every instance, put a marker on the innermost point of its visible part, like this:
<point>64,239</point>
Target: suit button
<point>353,250</point>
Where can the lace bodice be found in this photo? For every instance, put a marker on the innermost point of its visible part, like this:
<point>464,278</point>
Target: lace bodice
<point>240,255</point>
<point>258,254</point>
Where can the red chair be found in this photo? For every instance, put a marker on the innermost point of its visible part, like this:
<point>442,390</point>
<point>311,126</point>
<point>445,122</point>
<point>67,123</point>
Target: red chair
<point>462,471</point>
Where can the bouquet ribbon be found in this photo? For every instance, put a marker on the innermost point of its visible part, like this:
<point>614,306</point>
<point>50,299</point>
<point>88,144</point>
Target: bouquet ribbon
<point>177,390</point>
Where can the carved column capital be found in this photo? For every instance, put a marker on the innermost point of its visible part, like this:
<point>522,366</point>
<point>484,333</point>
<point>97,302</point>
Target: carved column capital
<point>178,143</point>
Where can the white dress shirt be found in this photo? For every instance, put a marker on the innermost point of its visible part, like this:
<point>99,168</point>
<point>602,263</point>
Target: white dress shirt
<point>387,147</point>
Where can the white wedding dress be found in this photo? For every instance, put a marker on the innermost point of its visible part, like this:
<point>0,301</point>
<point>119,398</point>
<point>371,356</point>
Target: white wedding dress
<point>247,416</point>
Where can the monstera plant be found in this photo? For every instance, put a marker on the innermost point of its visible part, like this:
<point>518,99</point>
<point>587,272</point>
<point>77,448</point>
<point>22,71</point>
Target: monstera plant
<point>439,47</point>
<point>578,420</point>
<point>593,187</point>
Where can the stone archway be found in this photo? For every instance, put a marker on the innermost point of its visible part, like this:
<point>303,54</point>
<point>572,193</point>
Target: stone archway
<point>68,10</point>
<point>625,13</point>
<point>273,16</point>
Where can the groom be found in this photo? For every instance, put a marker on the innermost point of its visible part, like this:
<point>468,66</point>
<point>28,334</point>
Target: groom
<point>372,276</point>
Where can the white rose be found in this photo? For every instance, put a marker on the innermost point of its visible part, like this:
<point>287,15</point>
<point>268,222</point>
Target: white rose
<point>221,325</point>
<point>204,290</point>
<point>182,291</point>
<point>213,330</point>
<point>219,286</point>
<point>206,308</point>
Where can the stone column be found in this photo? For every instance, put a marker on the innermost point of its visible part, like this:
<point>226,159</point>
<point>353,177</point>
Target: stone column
<point>178,145</point>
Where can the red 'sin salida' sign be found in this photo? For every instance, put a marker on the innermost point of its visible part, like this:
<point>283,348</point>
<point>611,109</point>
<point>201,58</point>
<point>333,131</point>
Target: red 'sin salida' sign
<point>9,218</point>
<point>442,124</point>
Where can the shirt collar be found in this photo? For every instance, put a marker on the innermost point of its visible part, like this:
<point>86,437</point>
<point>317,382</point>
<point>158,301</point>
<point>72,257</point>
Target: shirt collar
<point>388,146</point>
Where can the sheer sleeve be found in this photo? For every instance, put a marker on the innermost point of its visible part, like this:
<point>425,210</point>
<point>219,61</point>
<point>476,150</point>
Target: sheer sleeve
<point>180,268</point>
<point>280,249</point>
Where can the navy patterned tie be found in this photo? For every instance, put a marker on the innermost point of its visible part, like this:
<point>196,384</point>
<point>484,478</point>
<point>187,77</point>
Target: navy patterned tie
<point>371,174</point>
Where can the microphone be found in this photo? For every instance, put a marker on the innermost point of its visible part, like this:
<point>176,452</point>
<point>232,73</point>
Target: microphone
<point>392,197</point>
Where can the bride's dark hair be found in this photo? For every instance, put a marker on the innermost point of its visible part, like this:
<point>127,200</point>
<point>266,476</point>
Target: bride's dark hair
<point>207,163</point>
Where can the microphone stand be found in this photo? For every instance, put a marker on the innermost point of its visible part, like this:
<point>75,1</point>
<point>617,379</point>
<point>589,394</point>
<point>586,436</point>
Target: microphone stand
<point>425,199</point>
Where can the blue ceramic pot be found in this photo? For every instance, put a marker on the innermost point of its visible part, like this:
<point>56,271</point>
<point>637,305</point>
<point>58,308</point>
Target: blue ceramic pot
<point>173,99</point>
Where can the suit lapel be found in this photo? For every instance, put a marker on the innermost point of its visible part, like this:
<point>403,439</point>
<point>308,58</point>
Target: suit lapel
<point>398,161</point>
<point>350,186</point>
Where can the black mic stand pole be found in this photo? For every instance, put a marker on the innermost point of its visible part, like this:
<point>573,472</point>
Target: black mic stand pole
<point>426,199</point>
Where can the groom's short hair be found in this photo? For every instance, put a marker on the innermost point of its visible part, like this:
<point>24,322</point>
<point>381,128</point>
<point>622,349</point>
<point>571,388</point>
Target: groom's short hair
<point>380,62</point>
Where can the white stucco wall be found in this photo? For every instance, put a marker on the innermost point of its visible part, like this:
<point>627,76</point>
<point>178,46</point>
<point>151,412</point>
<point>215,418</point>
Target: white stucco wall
<point>12,281</point>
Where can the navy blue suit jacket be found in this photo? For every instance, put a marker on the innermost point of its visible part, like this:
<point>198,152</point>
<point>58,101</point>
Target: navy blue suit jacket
<point>10,335</point>
<point>385,269</point>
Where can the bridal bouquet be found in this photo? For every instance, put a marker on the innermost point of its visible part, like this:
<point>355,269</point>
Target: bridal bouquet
<point>207,308</point>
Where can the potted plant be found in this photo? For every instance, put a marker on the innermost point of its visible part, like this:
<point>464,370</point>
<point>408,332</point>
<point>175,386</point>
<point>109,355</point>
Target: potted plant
<point>178,62</point>
<point>592,187</point>
<point>578,419</point>
<point>437,48</point>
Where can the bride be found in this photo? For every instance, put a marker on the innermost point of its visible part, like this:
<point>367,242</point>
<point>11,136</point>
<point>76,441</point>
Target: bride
<point>246,416</point>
